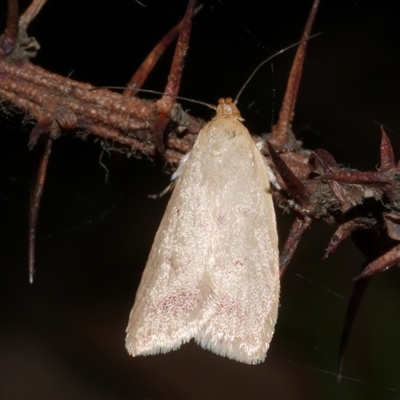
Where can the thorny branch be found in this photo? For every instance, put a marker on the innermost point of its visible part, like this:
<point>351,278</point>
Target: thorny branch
<point>364,205</point>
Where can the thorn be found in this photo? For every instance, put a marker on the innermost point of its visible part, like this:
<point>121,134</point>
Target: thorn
<point>346,229</point>
<point>387,155</point>
<point>380,264</point>
<point>165,104</point>
<point>30,13</point>
<point>321,157</point>
<point>352,308</point>
<point>296,233</point>
<point>148,64</point>
<point>34,204</point>
<point>295,187</point>
<point>8,40</point>
<point>281,130</point>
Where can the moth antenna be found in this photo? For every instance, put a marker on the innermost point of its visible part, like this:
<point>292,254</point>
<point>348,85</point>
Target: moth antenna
<point>202,102</point>
<point>269,59</point>
<point>160,93</point>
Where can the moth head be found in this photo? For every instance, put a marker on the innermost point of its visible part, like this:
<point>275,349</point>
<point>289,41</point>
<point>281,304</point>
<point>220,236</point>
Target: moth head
<point>227,109</point>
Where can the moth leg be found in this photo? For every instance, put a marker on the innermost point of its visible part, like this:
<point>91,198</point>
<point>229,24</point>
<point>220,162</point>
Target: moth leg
<point>169,188</point>
<point>181,165</point>
<point>174,177</point>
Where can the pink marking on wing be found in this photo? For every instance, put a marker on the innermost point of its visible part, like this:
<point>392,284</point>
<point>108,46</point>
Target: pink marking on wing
<point>228,306</point>
<point>221,220</point>
<point>179,303</point>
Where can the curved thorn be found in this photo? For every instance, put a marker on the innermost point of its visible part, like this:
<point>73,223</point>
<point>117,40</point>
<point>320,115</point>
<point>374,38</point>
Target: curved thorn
<point>342,232</point>
<point>352,308</point>
<point>295,187</point>
<point>34,204</point>
<point>387,155</point>
<point>325,159</point>
<point>297,230</point>
<point>382,263</point>
<point>346,229</point>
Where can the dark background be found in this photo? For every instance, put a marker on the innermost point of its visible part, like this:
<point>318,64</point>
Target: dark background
<point>63,336</point>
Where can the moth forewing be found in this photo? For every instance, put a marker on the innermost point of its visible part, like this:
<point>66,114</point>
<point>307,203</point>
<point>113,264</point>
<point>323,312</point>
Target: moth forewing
<point>212,273</point>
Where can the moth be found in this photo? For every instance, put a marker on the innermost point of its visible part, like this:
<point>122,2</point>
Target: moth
<point>213,270</point>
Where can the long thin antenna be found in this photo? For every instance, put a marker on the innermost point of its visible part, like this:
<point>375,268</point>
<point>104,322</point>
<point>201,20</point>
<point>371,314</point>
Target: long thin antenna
<point>269,59</point>
<point>240,91</point>
<point>203,103</point>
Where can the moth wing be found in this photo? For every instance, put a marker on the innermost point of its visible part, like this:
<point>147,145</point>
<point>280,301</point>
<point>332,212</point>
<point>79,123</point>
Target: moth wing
<point>244,269</point>
<point>169,306</point>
